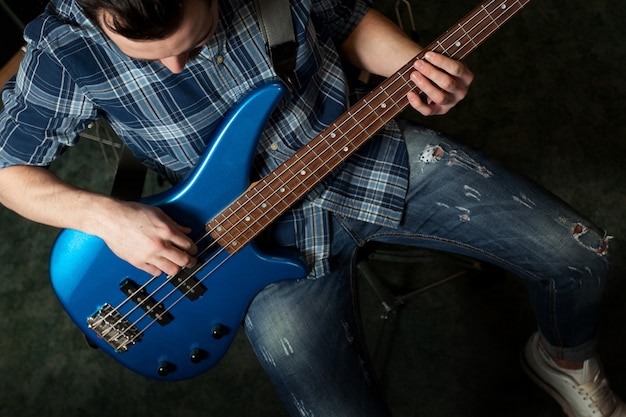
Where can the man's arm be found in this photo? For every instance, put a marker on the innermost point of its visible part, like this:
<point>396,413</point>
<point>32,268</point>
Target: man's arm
<point>380,47</point>
<point>142,235</point>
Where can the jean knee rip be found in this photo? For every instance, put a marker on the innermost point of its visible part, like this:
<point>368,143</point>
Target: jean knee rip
<point>590,239</point>
<point>453,157</point>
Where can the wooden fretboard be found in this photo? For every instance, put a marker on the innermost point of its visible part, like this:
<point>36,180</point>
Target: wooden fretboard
<point>270,197</point>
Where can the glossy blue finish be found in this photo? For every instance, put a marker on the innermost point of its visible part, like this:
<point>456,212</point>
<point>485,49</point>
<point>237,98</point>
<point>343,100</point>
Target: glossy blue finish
<point>85,274</point>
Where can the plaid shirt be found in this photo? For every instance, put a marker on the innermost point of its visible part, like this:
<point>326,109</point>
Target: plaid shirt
<point>72,74</point>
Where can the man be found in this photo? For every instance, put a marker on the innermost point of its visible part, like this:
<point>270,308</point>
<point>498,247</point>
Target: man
<point>163,73</point>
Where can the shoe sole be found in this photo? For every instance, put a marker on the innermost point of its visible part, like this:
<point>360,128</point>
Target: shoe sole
<point>546,387</point>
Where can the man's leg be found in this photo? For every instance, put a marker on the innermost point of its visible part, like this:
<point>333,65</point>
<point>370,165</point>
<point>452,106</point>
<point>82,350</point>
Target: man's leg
<point>461,202</point>
<point>306,336</point>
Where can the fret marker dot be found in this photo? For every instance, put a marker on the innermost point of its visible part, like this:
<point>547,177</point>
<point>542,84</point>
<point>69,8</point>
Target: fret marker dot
<point>247,218</point>
<point>282,190</point>
<point>383,105</point>
<point>345,149</point>
<point>332,135</point>
<point>303,172</point>
<point>264,205</point>
<point>233,243</point>
<point>503,6</point>
<point>219,228</point>
<point>458,43</point>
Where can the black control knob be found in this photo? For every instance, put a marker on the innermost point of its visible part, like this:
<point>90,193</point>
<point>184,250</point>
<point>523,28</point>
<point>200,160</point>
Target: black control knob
<point>197,355</point>
<point>165,368</point>
<point>219,331</point>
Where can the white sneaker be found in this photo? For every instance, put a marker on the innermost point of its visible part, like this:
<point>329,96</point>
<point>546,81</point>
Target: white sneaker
<point>581,393</point>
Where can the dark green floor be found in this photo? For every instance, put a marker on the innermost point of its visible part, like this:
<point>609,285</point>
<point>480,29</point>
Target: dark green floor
<point>548,100</point>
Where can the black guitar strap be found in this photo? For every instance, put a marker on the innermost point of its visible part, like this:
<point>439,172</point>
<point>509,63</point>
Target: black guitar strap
<point>277,29</point>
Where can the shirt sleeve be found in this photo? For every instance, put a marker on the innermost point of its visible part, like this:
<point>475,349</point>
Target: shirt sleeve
<point>44,112</point>
<point>339,17</point>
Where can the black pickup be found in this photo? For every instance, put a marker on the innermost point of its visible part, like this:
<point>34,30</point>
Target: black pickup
<point>140,296</point>
<point>188,284</point>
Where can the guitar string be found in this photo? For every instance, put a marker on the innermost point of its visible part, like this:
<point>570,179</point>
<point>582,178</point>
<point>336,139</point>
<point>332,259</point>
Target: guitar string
<point>402,75</point>
<point>313,173</point>
<point>439,43</point>
<point>489,14</point>
<point>338,127</point>
<point>292,171</point>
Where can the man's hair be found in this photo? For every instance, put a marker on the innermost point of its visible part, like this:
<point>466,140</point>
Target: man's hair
<point>137,19</point>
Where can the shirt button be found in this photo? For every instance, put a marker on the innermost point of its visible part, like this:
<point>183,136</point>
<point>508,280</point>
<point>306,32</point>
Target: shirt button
<point>274,146</point>
<point>220,59</point>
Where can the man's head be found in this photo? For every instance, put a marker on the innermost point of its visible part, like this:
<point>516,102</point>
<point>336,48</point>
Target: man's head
<point>137,19</point>
<point>169,31</point>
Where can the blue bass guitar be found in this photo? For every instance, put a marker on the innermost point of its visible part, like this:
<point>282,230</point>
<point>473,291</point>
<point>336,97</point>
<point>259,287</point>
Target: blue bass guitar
<point>176,327</point>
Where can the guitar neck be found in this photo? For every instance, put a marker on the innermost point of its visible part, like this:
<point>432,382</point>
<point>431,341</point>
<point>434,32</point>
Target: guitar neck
<point>271,196</point>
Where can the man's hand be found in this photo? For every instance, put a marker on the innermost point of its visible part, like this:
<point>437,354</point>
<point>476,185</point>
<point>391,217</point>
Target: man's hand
<point>379,46</point>
<point>148,239</point>
<point>142,235</point>
<point>443,81</point>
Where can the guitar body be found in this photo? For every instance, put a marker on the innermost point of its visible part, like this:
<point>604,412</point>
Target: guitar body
<point>194,322</point>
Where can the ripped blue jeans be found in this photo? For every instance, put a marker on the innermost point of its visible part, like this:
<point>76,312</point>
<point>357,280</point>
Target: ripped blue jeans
<point>306,332</point>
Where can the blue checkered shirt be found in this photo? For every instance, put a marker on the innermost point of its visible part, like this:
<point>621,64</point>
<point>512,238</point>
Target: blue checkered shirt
<point>72,74</point>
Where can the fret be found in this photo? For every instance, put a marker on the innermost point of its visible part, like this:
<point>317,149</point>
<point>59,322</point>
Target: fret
<point>324,151</point>
<point>267,204</point>
<point>312,154</point>
<point>364,119</point>
<point>270,197</point>
<point>476,27</point>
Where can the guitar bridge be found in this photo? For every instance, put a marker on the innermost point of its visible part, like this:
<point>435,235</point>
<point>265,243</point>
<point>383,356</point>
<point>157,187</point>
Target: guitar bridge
<point>110,326</point>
